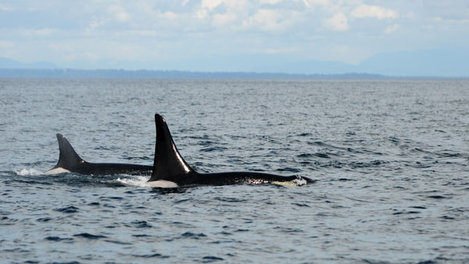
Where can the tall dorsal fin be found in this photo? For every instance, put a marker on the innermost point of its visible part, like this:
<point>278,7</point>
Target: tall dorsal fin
<point>68,158</point>
<point>168,164</point>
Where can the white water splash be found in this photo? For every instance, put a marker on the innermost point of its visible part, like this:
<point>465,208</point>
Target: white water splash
<point>27,172</point>
<point>139,181</point>
<point>295,182</point>
<point>300,182</point>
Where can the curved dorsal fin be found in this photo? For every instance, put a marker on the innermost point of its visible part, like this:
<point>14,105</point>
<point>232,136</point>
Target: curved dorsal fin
<point>168,164</point>
<point>68,158</point>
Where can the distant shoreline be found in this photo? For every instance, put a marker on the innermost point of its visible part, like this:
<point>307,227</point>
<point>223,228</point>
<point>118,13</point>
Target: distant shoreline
<point>170,74</point>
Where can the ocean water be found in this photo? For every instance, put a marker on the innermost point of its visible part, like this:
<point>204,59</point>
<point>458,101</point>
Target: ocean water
<point>391,160</point>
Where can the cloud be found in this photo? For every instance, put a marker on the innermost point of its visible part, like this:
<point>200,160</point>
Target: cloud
<point>188,29</point>
<point>454,21</point>
<point>280,50</point>
<point>222,12</point>
<point>374,11</point>
<point>268,20</point>
<point>222,20</point>
<point>138,33</point>
<point>243,15</point>
<point>118,13</point>
<point>211,4</point>
<point>270,2</point>
<point>390,29</point>
<point>42,32</point>
<point>4,7</point>
<point>6,44</point>
<point>338,22</point>
<point>109,15</point>
<point>309,3</point>
<point>170,15</point>
<point>94,24</point>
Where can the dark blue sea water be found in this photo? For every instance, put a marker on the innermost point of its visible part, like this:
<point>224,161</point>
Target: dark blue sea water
<point>391,160</point>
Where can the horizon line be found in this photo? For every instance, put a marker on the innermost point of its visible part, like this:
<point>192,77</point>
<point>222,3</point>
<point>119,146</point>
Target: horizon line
<point>103,73</point>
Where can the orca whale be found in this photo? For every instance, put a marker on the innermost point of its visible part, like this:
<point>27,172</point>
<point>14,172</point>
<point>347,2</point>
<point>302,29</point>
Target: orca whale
<point>171,170</point>
<point>69,161</point>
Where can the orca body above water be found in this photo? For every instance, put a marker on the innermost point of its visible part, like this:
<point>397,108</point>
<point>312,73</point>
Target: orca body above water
<point>70,161</point>
<point>171,170</point>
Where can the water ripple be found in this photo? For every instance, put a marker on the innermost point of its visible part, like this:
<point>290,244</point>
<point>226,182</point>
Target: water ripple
<point>89,236</point>
<point>391,159</point>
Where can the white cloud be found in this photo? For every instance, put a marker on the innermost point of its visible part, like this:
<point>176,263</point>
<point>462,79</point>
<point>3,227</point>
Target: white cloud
<point>119,14</point>
<point>6,44</point>
<point>138,33</point>
<point>454,21</point>
<point>268,20</point>
<point>270,2</point>
<point>4,7</point>
<point>170,15</point>
<point>309,3</point>
<point>280,50</point>
<point>111,14</point>
<point>390,29</point>
<point>231,10</point>
<point>222,20</point>
<point>93,25</point>
<point>201,14</point>
<point>211,4</point>
<point>374,11</point>
<point>338,22</point>
<point>42,32</point>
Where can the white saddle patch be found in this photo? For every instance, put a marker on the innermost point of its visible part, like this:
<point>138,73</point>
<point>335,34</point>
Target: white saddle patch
<point>56,171</point>
<point>162,184</point>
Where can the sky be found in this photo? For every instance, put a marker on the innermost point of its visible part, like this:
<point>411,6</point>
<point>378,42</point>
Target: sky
<point>396,37</point>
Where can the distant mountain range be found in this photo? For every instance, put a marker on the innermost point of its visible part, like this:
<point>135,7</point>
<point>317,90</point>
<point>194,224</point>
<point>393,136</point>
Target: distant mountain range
<point>430,63</point>
<point>148,74</point>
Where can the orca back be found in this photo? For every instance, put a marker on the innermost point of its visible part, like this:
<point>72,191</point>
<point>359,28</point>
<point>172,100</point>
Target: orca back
<point>170,167</point>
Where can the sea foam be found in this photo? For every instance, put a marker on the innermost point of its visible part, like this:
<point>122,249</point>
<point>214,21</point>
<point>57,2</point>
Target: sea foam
<point>27,172</point>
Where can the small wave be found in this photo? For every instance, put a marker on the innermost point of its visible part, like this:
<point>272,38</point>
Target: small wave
<point>193,235</point>
<point>213,149</point>
<point>230,199</point>
<point>141,224</point>
<point>69,209</point>
<point>156,255</point>
<point>139,181</point>
<point>210,259</point>
<point>27,172</point>
<point>289,169</point>
<point>301,204</point>
<point>437,196</point>
<point>89,236</point>
<point>57,239</point>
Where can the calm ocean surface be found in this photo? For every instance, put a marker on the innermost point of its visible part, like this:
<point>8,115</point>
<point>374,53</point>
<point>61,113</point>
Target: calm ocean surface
<point>391,158</point>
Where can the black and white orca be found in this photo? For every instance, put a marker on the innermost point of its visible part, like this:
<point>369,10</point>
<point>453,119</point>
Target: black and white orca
<point>171,170</point>
<point>69,161</point>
